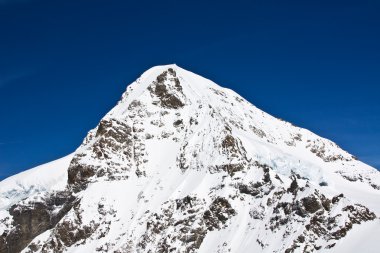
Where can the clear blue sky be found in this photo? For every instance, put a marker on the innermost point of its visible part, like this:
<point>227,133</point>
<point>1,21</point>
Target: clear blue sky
<point>64,64</point>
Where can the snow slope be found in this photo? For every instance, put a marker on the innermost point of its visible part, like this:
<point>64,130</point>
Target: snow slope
<point>51,176</point>
<point>181,164</point>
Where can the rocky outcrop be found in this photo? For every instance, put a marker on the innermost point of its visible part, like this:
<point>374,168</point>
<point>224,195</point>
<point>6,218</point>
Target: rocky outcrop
<point>166,86</point>
<point>113,139</point>
<point>185,223</point>
<point>33,217</point>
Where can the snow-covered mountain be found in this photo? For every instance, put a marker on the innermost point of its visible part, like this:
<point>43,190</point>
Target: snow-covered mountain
<point>181,164</point>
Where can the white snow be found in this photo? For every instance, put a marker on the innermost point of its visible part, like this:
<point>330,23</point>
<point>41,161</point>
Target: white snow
<point>363,238</point>
<point>51,176</point>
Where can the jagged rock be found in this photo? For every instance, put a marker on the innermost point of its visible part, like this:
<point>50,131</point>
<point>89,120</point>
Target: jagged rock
<point>293,186</point>
<point>249,189</point>
<point>33,217</point>
<point>162,91</point>
<point>337,198</point>
<point>220,211</point>
<point>311,204</point>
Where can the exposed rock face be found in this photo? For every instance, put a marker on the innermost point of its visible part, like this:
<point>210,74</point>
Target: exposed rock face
<point>184,222</point>
<point>311,204</point>
<point>162,87</point>
<point>67,232</point>
<point>183,165</point>
<point>113,140</point>
<point>33,217</point>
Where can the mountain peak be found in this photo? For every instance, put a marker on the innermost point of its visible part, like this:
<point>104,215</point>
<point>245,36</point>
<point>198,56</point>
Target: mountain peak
<point>181,164</point>
<point>168,85</point>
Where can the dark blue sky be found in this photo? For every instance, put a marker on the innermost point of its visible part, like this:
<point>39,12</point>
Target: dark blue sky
<point>64,64</point>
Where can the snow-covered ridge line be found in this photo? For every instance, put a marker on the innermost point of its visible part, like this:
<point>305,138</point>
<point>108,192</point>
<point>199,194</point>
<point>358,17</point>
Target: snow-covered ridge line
<point>51,176</point>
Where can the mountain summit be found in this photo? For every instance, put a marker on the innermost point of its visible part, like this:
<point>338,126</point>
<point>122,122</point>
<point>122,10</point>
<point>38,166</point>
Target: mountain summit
<point>181,164</point>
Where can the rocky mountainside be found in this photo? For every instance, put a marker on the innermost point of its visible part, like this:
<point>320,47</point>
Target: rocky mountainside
<point>181,164</point>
